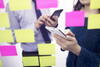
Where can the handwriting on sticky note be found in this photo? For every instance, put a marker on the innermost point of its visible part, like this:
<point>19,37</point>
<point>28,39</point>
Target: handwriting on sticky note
<point>47,61</point>
<point>4,20</point>
<point>8,50</point>
<point>31,61</point>
<point>6,36</point>
<point>24,35</point>
<point>20,5</point>
<point>75,19</point>
<point>46,49</point>
<point>42,4</point>
<point>94,21</point>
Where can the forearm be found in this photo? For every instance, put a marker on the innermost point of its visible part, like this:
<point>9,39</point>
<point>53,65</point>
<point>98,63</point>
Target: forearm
<point>75,49</point>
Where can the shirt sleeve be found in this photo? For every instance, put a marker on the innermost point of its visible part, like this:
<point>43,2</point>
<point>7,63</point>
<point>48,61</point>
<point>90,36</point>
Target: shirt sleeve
<point>88,58</point>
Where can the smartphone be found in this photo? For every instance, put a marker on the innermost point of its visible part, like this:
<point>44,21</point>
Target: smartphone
<point>56,13</point>
<point>56,31</point>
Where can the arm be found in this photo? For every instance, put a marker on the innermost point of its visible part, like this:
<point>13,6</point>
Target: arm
<point>84,55</point>
<point>89,56</point>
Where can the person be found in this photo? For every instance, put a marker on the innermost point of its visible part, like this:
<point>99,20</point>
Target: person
<point>83,44</point>
<point>36,20</point>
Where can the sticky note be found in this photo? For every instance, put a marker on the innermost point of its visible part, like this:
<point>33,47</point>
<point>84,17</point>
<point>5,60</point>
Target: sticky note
<point>20,5</point>
<point>4,20</point>
<point>0,53</point>
<point>31,61</point>
<point>1,3</point>
<point>74,19</point>
<point>46,49</point>
<point>94,21</point>
<point>1,63</point>
<point>24,35</point>
<point>47,61</point>
<point>95,4</point>
<point>42,4</point>
<point>6,36</point>
<point>8,50</point>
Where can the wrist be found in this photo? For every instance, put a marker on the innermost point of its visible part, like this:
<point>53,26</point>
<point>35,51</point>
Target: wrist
<point>75,49</point>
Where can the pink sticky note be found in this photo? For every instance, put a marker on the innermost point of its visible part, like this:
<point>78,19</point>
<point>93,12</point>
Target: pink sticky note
<point>1,4</point>
<point>42,4</point>
<point>8,50</point>
<point>0,53</point>
<point>74,19</point>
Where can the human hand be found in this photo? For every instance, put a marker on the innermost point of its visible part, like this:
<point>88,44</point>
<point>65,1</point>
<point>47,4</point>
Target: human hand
<point>47,21</point>
<point>69,43</point>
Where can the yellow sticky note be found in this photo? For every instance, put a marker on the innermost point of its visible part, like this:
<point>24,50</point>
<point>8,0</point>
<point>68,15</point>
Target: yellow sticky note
<point>46,49</point>
<point>4,20</point>
<point>95,4</point>
<point>20,4</point>
<point>30,61</point>
<point>94,21</point>
<point>1,63</point>
<point>6,36</point>
<point>24,35</point>
<point>47,61</point>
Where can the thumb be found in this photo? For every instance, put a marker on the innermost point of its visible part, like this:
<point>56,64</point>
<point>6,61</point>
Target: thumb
<point>70,33</point>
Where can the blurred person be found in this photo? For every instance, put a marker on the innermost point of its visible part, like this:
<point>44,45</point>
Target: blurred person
<point>83,44</point>
<point>36,20</point>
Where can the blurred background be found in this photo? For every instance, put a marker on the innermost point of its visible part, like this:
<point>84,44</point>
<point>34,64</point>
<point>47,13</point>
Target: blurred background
<point>16,61</point>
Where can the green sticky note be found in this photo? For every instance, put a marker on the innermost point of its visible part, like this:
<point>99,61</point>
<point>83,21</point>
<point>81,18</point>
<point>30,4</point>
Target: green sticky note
<point>47,61</point>
<point>46,49</point>
<point>4,20</point>
<point>30,61</point>
<point>95,4</point>
<point>94,21</point>
<point>20,5</point>
<point>6,36</point>
<point>24,35</point>
<point>1,63</point>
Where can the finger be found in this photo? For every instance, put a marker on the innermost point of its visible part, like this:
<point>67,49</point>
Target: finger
<point>50,21</point>
<point>42,19</point>
<point>47,23</point>
<point>38,24</point>
<point>58,37</point>
<point>70,38</point>
<point>63,46</point>
<point>55,18</point>
<point>68,32</point>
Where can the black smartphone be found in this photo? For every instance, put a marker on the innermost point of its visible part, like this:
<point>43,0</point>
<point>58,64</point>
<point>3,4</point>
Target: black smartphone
<point>56,13</point>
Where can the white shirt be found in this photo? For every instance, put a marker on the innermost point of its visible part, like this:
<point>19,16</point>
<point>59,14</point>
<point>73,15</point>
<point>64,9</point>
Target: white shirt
<point>25,19</point>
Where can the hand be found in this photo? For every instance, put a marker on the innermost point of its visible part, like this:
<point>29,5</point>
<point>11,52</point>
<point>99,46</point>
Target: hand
<point>69,43</point>
<point>47,21</point>
<point>40,21</point>
<point>51,22</point>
